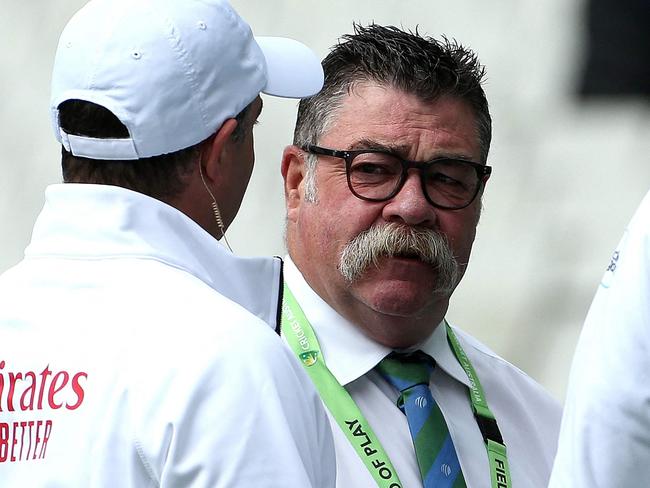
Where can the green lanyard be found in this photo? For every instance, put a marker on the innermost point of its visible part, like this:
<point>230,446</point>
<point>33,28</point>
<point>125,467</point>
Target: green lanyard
<point>300,336</point>
<point>496,449</point>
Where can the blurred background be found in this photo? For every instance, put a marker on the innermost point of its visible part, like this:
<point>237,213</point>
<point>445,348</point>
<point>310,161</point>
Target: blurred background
<point>569,90</point>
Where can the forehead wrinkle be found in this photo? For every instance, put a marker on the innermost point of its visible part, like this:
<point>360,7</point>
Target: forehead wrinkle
<point>368,143</point>
<point>440,143</point>
<point>403,150</point>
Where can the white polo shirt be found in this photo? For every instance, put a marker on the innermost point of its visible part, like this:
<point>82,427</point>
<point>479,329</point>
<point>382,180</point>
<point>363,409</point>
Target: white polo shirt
<point>605,435</point>
<point>129,358</point>
<point>527,416</point>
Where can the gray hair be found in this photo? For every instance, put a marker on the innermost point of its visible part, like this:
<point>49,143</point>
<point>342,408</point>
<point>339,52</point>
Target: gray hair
<point>311,190</point>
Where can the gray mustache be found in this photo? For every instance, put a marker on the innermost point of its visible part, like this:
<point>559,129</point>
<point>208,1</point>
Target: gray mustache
<point>392,240</point>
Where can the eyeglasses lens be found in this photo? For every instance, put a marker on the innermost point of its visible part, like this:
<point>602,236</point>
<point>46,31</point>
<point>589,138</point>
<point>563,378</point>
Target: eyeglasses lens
<point>448,183</point>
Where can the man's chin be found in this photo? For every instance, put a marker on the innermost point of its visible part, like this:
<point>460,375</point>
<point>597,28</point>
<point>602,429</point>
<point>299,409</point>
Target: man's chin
<point>400,297</point>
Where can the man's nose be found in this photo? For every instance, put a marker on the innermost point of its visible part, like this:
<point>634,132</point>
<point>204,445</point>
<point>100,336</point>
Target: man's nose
<point>410,205</point>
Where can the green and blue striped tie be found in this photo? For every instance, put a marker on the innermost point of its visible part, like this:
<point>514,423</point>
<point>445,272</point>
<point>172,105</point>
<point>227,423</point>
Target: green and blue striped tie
<point>434,449</point>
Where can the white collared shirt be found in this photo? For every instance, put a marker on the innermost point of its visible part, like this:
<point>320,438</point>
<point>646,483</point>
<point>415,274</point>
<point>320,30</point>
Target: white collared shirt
<point>527,416</point>
<point>131,357</point>
<point>605,435</point>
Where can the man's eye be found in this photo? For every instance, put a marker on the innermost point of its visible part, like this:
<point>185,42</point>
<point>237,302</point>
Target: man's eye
<point>449,183</point>
<point>443,178</point>
<point>372,169</point>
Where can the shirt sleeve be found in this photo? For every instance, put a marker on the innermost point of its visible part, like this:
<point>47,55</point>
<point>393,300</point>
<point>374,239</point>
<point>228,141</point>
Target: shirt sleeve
<point>605,433</point>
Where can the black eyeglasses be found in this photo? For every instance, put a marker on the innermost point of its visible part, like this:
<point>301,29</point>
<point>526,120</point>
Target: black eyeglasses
<point>376,176</point>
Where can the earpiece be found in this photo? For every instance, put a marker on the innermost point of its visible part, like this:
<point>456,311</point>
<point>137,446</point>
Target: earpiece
<point>215,209</point>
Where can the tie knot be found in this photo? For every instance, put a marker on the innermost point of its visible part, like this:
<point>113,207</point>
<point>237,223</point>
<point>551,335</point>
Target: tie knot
<point>404,371</point>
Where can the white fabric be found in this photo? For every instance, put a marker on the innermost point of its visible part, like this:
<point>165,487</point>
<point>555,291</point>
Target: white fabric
<point>172,71</point>
<point>605,435</point>
<point>145,376</point>
<point>527,416</point>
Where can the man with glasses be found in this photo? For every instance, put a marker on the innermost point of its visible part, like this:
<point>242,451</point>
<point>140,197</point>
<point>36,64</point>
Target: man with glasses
<point>383,189</point>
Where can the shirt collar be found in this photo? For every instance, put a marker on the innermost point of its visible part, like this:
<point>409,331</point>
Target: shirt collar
<point>98,221</point>
<point>348,352</point>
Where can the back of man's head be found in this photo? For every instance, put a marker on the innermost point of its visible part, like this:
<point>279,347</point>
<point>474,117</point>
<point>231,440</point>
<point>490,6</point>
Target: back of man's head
<point>162,177</point>
<point>407,61</point>
<point>149,80</point>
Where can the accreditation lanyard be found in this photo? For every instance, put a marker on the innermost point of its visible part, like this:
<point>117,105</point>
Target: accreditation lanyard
<point>300,336</point>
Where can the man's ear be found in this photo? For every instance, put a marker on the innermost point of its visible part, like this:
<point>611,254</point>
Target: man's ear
<point>293,173</point>
<point>213,149</point>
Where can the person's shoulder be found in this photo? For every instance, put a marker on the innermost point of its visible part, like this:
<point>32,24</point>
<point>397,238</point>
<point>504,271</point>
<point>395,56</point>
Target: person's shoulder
<point>528,416</point>
<point>179,325</point>
<point>175,291</point>
<point>221,377</point>
<point>474,347</point>
<point>197,346</point>
<point>495,370</point>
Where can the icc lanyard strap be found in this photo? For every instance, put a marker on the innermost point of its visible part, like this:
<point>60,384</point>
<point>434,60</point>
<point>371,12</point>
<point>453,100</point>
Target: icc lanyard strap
<point>302,340</point>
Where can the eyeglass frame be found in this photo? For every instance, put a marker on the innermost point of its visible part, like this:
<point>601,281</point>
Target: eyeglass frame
<point>483,171</point>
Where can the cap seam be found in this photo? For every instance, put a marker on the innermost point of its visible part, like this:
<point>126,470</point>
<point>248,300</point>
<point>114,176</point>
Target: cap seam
<point>107,32</point>
<point>244,30</point>
<point>189,71</point>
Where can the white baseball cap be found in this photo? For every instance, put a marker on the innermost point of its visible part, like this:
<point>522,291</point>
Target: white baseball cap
<point>172,71</point>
